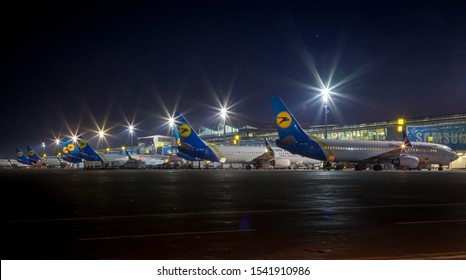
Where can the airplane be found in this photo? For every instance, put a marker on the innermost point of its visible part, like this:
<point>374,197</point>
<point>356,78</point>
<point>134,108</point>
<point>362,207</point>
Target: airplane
<point>48,162</point>
<point>22,158</point>
<point>12,163</point>
<point>70,152</point>
<point>87,152</point>
<point>194,146</point>
<point>402,154</point>
<point>180,153</point>
<point>149,161</point>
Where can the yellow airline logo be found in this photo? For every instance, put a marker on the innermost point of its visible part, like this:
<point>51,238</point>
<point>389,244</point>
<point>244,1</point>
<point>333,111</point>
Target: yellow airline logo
<point>283,119</point>
<point>184,130</point>
<point>178,141</point>
<point>65,150</point>
<point>20,154</point>
<point>70,147</point>
<point>31,153</point>
<point>82,144</point>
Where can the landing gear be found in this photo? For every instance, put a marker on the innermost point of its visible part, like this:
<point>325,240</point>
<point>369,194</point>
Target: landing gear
<point>377,167</point>
<point>328,165</point>
<point>440,168</point>
<point>360,167</point>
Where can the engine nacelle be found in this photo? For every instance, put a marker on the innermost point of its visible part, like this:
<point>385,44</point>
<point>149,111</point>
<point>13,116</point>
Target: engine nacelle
<point>407,161</point>
<point>280,163</point>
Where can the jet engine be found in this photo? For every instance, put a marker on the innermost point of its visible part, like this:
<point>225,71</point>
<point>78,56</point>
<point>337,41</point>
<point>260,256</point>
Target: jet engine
<point>407,161</point>
<point>280,163</point>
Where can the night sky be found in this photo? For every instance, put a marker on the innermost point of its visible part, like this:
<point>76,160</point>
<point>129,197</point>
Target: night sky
<point>87,64</point>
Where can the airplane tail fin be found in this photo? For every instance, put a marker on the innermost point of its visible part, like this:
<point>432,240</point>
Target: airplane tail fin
<point>186,133</point>
<point>21,157</point>
<point>70,151</point>
<point>33,155</point>
<point>287,126</point>
<point>177,136</point>
<point>180,153</point>
<point>192,144</point>
<point>292,136</point>
<point>88,152</point>
<point>68,147</point>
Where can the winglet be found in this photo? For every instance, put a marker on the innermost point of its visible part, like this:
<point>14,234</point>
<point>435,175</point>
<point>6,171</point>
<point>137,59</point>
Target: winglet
<point>406,139</point>
<point>269,148</point>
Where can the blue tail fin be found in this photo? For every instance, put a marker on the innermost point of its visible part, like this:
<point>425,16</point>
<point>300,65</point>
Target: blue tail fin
<point>70,151</point>
<point>192,144</point>
<point>292,136</point>
<point>286,122</point>
<point>21,157</point>
<point>33,156</point>
<point>182,153</point>
<point>87,152</point>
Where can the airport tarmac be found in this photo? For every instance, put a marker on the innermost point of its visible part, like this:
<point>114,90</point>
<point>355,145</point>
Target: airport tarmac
<point>232,214</point>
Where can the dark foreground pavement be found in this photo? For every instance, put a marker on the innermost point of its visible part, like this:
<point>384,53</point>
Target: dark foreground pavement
<point>232,214</point>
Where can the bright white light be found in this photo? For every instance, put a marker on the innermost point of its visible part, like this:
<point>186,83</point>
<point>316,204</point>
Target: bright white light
<point>325,94</point>
<point>43,144</point>
<point>171,122</point>
<point>57,141</point>
<point>101,134</point>
<point>131,129</point>
<point>75,138</point>
<point>223,113</point>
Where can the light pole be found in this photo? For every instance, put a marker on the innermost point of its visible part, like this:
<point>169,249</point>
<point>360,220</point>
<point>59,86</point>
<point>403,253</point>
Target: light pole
<point>131,131</point>
<point>325,98</point>
<point>101,139</point>
<point>57,144</point>
<point>223,114</point>
<point>171,123</point>
<point>43,146</point>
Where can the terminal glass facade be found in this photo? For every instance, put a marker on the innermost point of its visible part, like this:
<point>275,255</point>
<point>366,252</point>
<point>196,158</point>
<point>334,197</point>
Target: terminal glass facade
<point>359,134</point>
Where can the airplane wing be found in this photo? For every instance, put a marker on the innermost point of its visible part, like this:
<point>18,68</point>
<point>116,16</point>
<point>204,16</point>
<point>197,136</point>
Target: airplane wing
<point>266,157</point>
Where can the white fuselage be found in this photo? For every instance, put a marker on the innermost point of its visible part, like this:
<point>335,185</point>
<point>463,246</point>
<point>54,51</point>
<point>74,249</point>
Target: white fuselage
<point>151,160</point>
<point>358,151</point>
<point>245,154</point>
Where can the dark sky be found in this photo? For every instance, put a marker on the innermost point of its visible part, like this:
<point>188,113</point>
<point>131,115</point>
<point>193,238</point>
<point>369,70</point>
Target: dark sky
<point>79,64</point>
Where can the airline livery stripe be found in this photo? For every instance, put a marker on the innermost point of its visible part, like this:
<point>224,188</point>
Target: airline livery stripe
<point>323,144</point>
<point>216,150</point>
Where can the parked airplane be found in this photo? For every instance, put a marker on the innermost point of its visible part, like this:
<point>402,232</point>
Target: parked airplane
<point>48,162</point>
<point>194,146</point>
<point>180,153</point>
<point>294,139</point>
<point>70,152</point>
<point>148,160</point>
<point>12,163</point>
<point>22,158</point>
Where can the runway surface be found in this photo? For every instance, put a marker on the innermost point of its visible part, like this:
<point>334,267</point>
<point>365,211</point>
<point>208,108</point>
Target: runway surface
<point>232,214</point>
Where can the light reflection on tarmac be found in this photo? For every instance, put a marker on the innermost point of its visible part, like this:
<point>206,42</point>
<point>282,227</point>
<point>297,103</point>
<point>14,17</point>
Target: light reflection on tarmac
<point>232,214</point>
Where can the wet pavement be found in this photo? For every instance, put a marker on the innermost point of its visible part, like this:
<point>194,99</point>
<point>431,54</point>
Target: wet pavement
<point>232,214</point>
